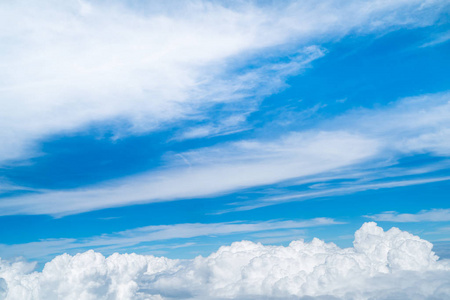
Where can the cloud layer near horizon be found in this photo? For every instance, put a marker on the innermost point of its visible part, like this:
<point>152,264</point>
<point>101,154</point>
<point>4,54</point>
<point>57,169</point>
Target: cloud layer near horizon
<point>381,265</point>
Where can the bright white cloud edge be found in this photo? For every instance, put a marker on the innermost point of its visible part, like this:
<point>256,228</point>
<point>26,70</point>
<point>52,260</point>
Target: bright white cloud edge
<point>380,265</point>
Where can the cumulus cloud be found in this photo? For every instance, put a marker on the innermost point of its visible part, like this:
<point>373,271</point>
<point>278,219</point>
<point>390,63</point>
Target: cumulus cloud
<point>68,65</point>
<point>433,215</point>
<point>380,265</point>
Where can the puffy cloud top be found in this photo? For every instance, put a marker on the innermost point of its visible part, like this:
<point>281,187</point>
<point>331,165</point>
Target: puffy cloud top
<point>381,265</point>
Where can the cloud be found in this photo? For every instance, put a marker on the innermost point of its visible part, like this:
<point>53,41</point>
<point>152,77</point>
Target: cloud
<point>210,171</point>
<point>439,39</point>
<point>360,142</point>
<point>108,243</point>
<point>433,215</point>
<point>73,65</point>
<point>442,248</point>
<point>412,125</point>
<point>327,192</point>
<point>138,68</point>
<point>380,265</point>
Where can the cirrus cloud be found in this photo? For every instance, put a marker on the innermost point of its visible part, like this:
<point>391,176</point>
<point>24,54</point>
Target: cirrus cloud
<point>433,215</point>
<point>74,64</point>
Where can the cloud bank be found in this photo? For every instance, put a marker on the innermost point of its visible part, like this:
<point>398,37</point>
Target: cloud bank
<point>380,265</point>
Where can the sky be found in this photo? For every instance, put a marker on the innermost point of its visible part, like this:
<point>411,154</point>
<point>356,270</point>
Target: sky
<point>174,128</point>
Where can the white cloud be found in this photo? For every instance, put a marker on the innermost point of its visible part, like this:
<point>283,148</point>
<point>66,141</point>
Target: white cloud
<point>325,191</point>
<point>108,243</point>
<point>209,171</point>
<point>362,142</point>
<point>381,265</point>
<point>72,64</point>
<point>68,66</point>
<point>438,39</point>
<point>433,215</point>
<point>411,125</point>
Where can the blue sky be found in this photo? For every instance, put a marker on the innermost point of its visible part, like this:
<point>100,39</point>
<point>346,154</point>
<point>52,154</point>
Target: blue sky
<point>181,129</point>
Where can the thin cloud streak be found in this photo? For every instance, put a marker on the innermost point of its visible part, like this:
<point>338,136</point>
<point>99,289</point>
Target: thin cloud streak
<point>212,171</point>
<point>433,215</point>
<point>440,39</point>
<point>109,243</point>
<point>346,190</point>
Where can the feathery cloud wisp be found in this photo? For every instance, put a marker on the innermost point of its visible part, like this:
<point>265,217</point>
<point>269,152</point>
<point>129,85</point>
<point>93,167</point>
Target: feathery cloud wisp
<point>433,215</point>
<point>69,65</point>
<point>109,243</point>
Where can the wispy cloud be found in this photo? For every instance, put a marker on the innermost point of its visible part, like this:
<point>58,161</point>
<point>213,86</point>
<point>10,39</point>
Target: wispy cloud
<point>409,127</point>
<point>139,59</point>
<point>433,215</point>
<point>109,243</point>
<point>210,171</point>
<point>441,38</point>
<point>325,191</point>
<point>69,65</point>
